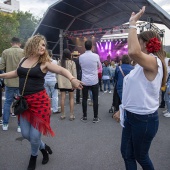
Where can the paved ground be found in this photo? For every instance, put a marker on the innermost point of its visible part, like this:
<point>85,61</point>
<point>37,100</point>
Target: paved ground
<point>82,146</point>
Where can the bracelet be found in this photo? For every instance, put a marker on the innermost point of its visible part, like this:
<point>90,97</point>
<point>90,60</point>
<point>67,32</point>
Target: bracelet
<point>72,78</point>
<point>132,26</point>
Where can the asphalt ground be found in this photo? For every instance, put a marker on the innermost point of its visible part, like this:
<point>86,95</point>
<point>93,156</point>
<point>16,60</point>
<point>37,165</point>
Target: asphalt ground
<point>82,146</point>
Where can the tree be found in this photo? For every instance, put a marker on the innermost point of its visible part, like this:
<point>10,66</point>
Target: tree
<point>8,29</point>
<point>168,55</point>
<point>27,24</point>
<point>19,24</point>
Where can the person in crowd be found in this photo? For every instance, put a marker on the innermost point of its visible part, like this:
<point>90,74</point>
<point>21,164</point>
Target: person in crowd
<point>140,99</point>
<point>100,77</point>
<point>65,85</point>
<point>120,72</point>
<point>1,89</point>
<point>35,121</point>
<point>75,56</point>
<point>162,104</point>
<point>167,96</point>
<point>9,61</point>
<point>106,75</point>
<point>112,70</point>
<point>89,63</point>
<point>50,82</point>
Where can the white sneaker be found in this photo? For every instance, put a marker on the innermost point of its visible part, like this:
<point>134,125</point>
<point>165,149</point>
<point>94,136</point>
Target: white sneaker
<point>13,115</point>
<point>105,91</point>
<point>90,103</point>
<point>165,111</point>
<point>167,114</point>
<point>19,129</point>
<point>110,92</point>
<point>5,127</point>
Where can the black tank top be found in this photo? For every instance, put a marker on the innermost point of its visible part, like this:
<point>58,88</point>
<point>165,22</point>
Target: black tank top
<point>35,81</point>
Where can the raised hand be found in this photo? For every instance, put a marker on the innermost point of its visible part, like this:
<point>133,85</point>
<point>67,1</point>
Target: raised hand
<point>135,17</point>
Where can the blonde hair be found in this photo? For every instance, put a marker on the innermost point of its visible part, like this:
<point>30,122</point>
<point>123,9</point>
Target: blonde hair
<point>32,45</point>
<point>145,37</point>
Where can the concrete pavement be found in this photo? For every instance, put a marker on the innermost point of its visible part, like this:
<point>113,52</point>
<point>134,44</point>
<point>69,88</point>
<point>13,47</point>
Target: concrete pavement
<point>82,146</point>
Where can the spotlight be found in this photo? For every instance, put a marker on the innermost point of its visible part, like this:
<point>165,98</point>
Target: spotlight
<point>141,28</point>
<point>161,34</point>
<point>148,26</point>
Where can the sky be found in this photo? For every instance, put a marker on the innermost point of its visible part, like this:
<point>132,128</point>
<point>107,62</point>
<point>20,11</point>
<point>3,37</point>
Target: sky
<point>38,8</point>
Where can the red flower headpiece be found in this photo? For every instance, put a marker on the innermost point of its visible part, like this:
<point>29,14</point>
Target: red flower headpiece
<point>153,45</point>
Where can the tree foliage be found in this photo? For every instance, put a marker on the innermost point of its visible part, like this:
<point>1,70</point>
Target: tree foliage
<point>19,24</point>
<point>8,28</point>
<point>27,24</point>
<point>168,55</point>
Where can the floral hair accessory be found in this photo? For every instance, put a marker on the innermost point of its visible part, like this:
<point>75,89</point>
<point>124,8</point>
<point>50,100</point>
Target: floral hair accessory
<point>153,45</point>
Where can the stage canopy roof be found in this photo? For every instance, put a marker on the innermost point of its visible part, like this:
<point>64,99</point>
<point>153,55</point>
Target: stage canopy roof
<point>72,15</point>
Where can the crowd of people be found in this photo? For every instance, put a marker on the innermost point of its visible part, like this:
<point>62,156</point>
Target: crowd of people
<point>143,70</point>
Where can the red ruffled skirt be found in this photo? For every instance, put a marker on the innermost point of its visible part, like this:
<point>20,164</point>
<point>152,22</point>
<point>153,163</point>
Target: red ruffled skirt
<point>39,112</point>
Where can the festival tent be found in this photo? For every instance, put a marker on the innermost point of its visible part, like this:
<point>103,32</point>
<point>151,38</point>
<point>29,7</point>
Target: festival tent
<point>72,15</point>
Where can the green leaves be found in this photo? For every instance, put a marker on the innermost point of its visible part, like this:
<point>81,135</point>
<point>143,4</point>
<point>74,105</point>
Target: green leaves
<point>19,24</point>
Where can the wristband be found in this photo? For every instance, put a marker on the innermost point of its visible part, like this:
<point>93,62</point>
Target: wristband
<point>132,26</point>
<point>72,78</point>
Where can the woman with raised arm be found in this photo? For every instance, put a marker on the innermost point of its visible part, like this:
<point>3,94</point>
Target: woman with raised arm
<point>36,119</point>
<point>140,99</point>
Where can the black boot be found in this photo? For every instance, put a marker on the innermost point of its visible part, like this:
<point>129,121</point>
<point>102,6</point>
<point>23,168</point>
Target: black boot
<point>48,149</point>
<point>32,163</point>
<point>45,153</point>
<point>45,156</point>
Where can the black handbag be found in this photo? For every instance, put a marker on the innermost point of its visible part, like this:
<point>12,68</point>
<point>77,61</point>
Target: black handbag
<point>20,104</point>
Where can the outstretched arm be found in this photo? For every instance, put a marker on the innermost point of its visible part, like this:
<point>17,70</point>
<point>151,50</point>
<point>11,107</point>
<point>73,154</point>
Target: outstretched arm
<point>64,72</point>
<point>9,75</point>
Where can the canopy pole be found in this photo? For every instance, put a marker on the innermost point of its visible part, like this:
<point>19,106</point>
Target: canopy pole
<point>61,43</point>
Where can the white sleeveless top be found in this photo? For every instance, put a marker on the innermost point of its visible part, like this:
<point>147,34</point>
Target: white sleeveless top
<point>140,95</point>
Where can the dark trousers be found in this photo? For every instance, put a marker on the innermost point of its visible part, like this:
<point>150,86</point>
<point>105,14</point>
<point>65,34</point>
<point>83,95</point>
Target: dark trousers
<point>77,90</point>
<point>100,83</point>
<point>137,136</point>
<point>162,99</point>
<point>95,92</point>
<point>77,96</point>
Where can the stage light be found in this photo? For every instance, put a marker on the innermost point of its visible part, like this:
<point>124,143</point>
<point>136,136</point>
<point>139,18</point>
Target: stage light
<point>148,26</point>
<point>106,46</point>
<point>126,46</point>
<point>110,45</point>
<point>118,52</point>
<point>141,28</point>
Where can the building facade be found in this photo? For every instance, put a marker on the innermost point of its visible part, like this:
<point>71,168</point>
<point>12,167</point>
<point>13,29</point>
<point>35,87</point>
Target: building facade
<point>9,6</point>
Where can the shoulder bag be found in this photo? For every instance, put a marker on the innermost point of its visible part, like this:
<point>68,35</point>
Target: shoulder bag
<point>20,104</point>
<point>121,71</point>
